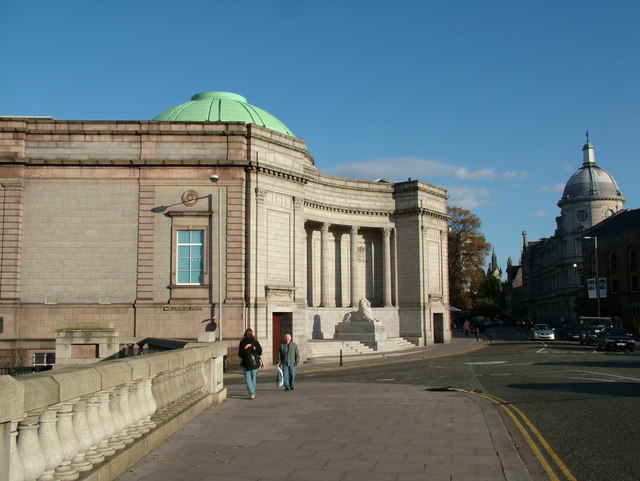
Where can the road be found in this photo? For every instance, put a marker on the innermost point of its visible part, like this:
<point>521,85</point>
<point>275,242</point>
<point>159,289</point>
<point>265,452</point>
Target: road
<point>583,402</point>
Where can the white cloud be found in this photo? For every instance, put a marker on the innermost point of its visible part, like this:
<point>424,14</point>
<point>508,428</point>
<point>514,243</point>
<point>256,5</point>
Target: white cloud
<point>399,169</point>
<point>394,168</point>
<point>538,213</point>
<point>551,188</point>
<point>514,174</point>
<point>463,173</point>
<point>469,197</point>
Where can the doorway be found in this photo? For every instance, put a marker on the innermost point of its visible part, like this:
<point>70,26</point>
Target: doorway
<point>438,328</point>
<point>282,324</point>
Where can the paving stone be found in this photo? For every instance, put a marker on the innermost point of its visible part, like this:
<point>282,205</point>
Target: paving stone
<point>330,432</point>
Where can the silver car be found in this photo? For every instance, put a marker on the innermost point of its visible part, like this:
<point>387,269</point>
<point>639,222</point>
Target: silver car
<point>543,331</point>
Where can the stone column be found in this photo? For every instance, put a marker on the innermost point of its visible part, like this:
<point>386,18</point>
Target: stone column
<point>353,261</point>
<point>386,266</point>
<point>324,265</point>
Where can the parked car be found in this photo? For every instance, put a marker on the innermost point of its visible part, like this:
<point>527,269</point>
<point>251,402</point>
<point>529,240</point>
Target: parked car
<point>615,338</point>
<point>543,331</point>
<point>589,335</point>
<point>570,332</point>
<point>591,326</point>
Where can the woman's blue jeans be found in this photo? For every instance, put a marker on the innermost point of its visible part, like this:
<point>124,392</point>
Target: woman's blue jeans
<point>250,378</point>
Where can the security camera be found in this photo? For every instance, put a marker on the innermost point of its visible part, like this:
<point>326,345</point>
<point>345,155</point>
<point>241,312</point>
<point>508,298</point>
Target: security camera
<point>214,178</point>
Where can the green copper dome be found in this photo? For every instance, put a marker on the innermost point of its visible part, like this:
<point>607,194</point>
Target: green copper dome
<point>222,107</point>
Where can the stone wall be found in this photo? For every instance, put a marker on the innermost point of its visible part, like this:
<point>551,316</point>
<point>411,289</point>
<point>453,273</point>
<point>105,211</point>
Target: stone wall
<point>99,420</point>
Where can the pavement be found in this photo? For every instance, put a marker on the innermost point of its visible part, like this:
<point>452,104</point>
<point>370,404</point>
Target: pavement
<point>324,431</point>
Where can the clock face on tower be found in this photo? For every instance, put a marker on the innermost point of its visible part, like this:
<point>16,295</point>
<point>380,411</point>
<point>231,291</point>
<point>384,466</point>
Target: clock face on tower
<point>582,215</point>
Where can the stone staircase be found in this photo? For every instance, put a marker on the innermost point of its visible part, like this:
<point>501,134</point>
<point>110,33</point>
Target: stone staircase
<point>331,348</point>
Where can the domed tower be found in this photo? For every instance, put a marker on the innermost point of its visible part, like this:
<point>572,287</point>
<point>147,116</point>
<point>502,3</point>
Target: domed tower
<point>590,195</point>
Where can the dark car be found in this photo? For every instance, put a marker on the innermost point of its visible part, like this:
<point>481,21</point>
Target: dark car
<point>570,332</point>
<point>615,338</point>
<point>589,335</point>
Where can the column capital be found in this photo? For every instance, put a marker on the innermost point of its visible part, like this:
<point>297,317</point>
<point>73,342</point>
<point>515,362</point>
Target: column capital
<point>260,194</point>
<point>387,231</point>
<point>325,226</point>
<point>355,229</point>
<point>298,202</point>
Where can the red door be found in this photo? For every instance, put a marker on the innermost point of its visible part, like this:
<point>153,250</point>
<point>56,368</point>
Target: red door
<point>277,335</point>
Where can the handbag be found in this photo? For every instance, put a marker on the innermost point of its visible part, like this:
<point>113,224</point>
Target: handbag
<point>279,377</point>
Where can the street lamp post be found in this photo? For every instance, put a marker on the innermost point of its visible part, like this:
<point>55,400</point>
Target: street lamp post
<point>595,246</point>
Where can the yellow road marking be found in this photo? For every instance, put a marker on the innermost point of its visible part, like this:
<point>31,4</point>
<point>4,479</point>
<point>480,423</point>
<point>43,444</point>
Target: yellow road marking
<point>516,415</point>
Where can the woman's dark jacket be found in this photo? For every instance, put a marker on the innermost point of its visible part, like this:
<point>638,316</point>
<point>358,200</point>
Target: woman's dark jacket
<point>242,352</point>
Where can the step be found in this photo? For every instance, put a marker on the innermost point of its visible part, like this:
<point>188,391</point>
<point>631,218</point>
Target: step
<point>332,347</point>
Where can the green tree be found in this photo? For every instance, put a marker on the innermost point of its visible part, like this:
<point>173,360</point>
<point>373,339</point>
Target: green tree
<point>467,252</point>
<point>487,300</point>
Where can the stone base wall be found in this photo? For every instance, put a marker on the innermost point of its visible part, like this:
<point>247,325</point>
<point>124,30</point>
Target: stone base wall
<point>321,322</point>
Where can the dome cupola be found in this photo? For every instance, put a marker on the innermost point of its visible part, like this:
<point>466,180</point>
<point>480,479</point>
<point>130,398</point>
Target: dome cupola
<point>222,107</point>
<point>590,181</point>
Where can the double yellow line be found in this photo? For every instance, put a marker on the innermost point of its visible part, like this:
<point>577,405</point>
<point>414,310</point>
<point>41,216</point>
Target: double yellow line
<point>547,457</point>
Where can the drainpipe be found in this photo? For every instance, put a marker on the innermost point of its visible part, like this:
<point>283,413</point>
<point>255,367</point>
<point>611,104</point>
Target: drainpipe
<point>219,262</point>
<point>4,207</point>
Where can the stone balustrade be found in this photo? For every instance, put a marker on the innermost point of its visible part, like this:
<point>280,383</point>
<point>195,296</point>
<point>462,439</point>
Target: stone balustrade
<point>93,422</point>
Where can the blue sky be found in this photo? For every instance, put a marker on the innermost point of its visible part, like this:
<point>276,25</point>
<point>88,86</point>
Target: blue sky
<point>490,99</point>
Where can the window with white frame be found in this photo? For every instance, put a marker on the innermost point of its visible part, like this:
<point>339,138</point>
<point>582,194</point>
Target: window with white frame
<point>44,358</point>
<point>189,257</point>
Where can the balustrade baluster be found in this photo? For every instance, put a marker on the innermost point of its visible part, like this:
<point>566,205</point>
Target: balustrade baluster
<point>120,437</point>
<point>50,442</point>
<point>189,384</point>
<point>203,376</point>
<point>31,453</point>
<point>141,406</point>
<point>157,391</point>
<point>162,388</point>
<point>96,432</point>
<point>125,407</point>
<point>151,402</point>
<point>69,442</point>
<point>16,468</point>
<point>104,415</point>
<point>81,429</point>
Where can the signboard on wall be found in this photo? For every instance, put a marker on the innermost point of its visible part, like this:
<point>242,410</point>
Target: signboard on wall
<point>602,288</point>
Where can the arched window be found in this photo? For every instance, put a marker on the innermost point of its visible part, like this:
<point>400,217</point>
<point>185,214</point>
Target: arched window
<point>634,274</point>
<point>613,271</point>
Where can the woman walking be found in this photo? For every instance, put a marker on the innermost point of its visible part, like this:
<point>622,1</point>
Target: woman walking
<point>250,352</point>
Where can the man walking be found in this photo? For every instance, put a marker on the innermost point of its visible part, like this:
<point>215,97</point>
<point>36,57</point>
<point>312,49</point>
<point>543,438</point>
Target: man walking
<point>288,359</point>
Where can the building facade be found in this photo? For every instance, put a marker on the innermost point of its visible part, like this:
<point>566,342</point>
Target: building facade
<point>551,267</point>
<point>211,216</point>
<point>611,252</point>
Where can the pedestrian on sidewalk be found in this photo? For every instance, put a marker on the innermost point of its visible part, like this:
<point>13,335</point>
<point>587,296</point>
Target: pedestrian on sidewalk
<point>250,353</point>
<point>465,327</point>
<point>288,359</point>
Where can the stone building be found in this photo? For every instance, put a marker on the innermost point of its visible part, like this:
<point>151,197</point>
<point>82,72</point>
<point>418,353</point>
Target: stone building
<point>612,251</point>
<point>512,290</point>
<point>551,274</point>
<point>211,216</point>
